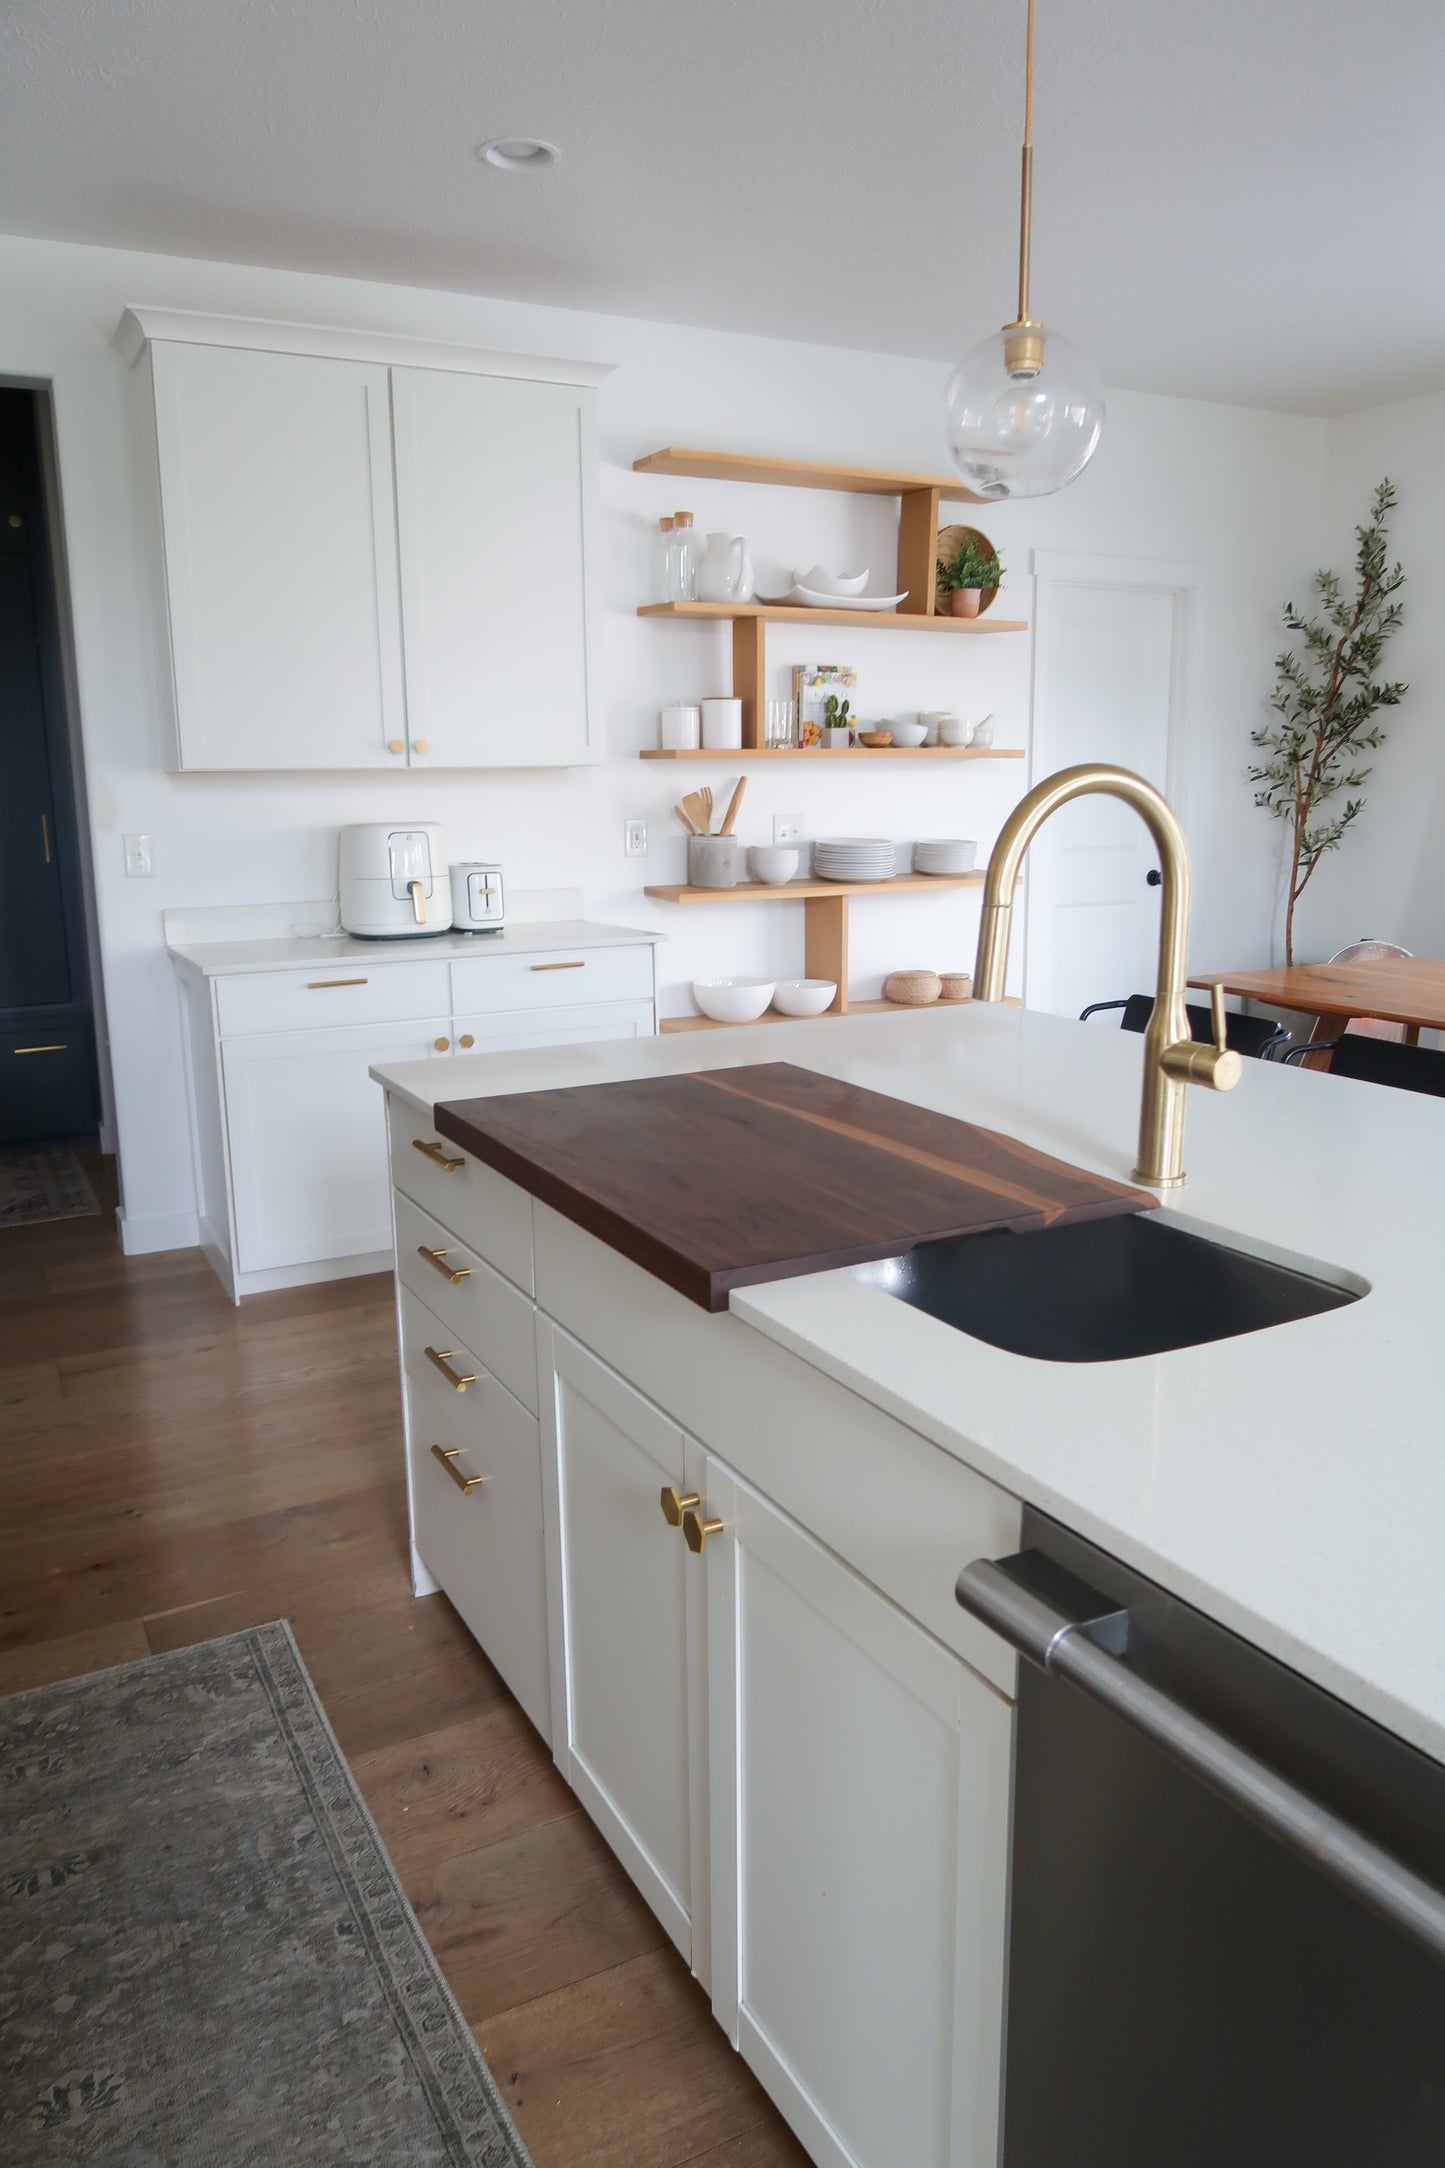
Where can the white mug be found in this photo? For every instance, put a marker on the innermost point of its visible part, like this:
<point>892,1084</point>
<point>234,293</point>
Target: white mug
<point>722,725</point>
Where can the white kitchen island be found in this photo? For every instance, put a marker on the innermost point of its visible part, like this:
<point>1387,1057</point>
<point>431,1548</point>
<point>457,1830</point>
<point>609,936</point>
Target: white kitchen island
<point>792,1736</point>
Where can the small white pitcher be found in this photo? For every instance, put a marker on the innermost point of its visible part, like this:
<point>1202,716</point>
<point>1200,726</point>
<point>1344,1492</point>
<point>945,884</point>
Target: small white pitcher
<point>725,570</point>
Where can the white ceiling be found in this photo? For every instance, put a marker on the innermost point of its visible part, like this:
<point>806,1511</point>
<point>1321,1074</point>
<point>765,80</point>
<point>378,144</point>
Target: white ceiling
<point>1239,199</point>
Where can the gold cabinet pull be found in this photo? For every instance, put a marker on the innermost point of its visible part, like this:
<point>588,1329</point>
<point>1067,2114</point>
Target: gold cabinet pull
<point>395,745</point>
<point>421,745</point>
<point>673,1506</point>
<point>441,1045</point>
<point>447,1455</point>
<point>319,986</point>
<point>580,965</point>
<point>436,1152</point>
<point>466,1039</point>
<point>435,1257</point>
<point>61,1047</point>
<point>438,1356</point>
<point>45,835</point>
<point>696,1530</point>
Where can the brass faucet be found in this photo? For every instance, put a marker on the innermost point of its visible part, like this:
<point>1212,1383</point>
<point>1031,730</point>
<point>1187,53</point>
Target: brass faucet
<point>1172,1059</point>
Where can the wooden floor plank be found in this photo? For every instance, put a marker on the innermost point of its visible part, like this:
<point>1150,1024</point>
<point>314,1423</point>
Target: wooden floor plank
<point>178,1468</point>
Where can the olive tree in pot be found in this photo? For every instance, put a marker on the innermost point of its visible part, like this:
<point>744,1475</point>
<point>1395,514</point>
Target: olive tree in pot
<point>1325,697</point>
<point>967,576</point>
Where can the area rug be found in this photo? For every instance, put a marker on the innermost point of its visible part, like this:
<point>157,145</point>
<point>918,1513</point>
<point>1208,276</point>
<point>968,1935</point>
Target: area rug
<point>43,1182</point>
<point>205,1955</point>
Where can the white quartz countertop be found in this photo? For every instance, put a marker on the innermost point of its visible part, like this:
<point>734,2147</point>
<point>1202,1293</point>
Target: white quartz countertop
<point>216,959</point>
<point>1291,1482</point>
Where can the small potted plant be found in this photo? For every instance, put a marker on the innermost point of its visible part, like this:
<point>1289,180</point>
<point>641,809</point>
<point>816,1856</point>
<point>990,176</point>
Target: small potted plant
<point>968,575</point>
<point>836,728</point>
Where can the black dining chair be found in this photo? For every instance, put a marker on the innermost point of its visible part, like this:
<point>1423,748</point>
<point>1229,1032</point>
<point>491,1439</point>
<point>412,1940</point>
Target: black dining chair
<point>1379,1061</point>
<point>1254,1036</point>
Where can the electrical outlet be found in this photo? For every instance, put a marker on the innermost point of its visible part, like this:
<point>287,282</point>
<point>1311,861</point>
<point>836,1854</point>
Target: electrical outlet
<point>634,837</point>
<point>787,827</point>
<point>138,865</point>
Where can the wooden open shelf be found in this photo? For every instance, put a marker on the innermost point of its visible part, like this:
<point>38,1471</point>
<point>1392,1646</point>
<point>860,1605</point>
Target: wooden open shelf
<point>825,920</point>
<point>841,752</point>
<point>780,613</point>
<point>800,474</point>
<point>805,891</point>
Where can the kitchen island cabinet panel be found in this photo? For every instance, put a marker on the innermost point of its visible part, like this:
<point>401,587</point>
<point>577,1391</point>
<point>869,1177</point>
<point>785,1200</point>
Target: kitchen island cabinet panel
<point>860,1796</point>
<point>472,1301</point>
<point>491,1215</point>
<point>628,1621</point>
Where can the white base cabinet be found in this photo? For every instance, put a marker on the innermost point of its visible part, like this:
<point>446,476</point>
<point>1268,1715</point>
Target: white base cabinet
<point>809,1787</point>
<point>628,1713</point>
<point>860,1799</point>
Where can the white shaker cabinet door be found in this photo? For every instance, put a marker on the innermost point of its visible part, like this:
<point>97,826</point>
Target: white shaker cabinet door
<point>859,1828</point>
<point>280,554</point>
<point>626,1630</point>
<point>495,483</point>
<point>307,1133</point>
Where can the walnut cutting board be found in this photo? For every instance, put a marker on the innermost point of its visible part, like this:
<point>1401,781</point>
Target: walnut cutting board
<point>728,1177</point>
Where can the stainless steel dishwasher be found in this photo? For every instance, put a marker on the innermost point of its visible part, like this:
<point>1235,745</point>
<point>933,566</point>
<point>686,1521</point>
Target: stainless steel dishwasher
<point>1227,1927</point>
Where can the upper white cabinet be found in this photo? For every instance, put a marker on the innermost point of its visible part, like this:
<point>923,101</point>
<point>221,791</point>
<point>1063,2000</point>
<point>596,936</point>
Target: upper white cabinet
<point>494,487</point>
<point>375,551</point>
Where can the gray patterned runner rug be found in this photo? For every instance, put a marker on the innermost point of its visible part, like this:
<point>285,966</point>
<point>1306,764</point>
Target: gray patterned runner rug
<point>206,1958</point>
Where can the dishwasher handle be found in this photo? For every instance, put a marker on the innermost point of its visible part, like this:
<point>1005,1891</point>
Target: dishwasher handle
<point>1084,1645</point>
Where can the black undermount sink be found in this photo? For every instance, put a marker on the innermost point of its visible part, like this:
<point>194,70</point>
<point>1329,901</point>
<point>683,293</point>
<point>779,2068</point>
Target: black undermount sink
<point>1102,1290</point>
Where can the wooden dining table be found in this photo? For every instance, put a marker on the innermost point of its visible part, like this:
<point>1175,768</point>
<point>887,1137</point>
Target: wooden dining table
<point>1408,990</point>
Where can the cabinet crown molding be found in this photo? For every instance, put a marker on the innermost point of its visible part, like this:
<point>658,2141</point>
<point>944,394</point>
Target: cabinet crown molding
<point>141,322</point>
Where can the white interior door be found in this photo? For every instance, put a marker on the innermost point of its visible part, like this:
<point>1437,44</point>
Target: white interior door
<point>1109,674</point>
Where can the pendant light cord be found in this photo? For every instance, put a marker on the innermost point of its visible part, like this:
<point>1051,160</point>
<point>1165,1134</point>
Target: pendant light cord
<point>1026,193</point>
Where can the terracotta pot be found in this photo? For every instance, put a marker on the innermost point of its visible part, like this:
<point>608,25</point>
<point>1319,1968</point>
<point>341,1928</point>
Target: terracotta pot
<point>965,601</point>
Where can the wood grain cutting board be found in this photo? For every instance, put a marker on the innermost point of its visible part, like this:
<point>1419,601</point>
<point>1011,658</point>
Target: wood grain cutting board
<point>728,1177</point>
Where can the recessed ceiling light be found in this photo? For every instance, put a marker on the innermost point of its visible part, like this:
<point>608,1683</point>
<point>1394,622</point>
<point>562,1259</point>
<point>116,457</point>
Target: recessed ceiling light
<point>518,154</point>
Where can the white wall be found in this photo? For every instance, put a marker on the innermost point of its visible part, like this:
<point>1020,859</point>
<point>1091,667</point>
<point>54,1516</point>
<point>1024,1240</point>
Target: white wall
<point>1386,879</point>
<point>1240,492</point>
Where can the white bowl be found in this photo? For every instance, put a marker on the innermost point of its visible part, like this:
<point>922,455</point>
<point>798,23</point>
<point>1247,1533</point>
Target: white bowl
<point>908,733</point>
<point>732,1001</point>
<point>772,864</point>
<point>804,997</point>
<point>832,583</point>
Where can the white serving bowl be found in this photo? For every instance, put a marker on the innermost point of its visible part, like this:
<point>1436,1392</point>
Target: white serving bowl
<point>772,864</point>
<point>908,733</point>
<point>732,1001</point>
<point>832,583</point>
<point>804,997</point>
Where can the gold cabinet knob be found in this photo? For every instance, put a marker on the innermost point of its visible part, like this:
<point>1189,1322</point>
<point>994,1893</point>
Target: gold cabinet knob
<point>696,1530</point>
<point>441,1045</point>
<point>466,1039</point>
<point>673,1506</point>
<point>396,745</point>
<point>421,745</point>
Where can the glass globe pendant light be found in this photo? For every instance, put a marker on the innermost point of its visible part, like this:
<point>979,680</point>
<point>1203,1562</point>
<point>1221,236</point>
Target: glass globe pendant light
<point>1024,412</point>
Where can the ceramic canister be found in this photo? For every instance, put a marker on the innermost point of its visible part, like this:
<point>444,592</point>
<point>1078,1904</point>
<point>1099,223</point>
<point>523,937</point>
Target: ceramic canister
<point>681,728</point>
<point>722,725</point>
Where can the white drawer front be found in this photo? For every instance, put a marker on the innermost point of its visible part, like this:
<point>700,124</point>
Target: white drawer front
<point>503,1440</point>
<point>472,1301</point>
<point>490,1214</point>
<point>551,1027</point>
<point>558,979</point>
<point>486,1553</point>
<point>324,994</point>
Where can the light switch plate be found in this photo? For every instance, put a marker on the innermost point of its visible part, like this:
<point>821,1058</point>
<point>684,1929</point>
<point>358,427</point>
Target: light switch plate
<point>138,865</point>
<point>787,827</point>
<point>634,837</point>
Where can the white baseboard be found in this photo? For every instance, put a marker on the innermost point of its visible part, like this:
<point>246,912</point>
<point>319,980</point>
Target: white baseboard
<point>326,1268</point>
<point>157,1231</point>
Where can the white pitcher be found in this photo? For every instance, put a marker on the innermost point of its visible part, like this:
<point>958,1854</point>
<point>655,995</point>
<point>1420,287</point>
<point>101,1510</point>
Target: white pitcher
<point>725,570</point>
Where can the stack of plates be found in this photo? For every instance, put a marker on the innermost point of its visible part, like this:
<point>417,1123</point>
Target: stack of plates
<point>854,858</point>
<point>944,855</point>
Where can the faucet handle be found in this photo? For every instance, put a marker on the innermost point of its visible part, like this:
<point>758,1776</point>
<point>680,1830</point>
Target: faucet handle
<point>1217,1016</point>
<point>1218,1067</point>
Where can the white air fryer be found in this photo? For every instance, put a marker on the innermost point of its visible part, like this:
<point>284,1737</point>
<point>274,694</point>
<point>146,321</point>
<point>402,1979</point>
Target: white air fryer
<point>395,885</point>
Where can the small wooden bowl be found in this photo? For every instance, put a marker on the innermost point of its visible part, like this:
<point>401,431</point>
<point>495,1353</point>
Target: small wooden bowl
<point>957,986</point>
<point>912,989</point>
<point>877,739</point>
